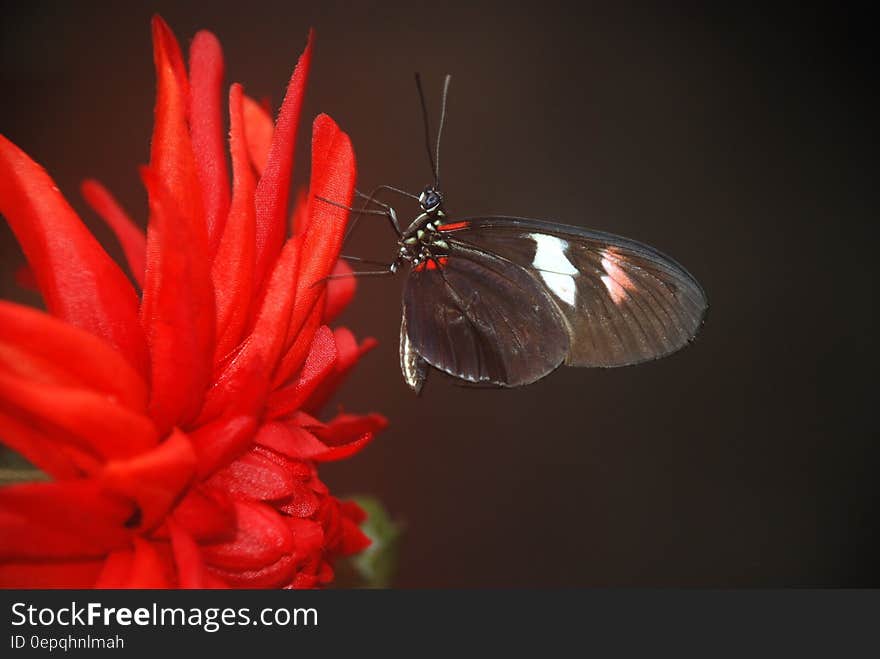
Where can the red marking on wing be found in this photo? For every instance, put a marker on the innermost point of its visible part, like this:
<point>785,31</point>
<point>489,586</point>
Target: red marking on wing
<point>454,226</point>
<point>431,264</point>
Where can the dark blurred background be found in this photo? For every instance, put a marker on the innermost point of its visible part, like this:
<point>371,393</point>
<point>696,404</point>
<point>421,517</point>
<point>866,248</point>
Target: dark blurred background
<point>741,142</point>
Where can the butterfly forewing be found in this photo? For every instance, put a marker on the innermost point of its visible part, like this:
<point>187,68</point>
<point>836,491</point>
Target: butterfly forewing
<point>622,302</point>
<point>483,319</point>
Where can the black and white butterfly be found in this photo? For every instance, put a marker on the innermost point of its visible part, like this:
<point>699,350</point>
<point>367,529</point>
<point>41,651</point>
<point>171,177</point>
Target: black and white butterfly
<point>503,301</point>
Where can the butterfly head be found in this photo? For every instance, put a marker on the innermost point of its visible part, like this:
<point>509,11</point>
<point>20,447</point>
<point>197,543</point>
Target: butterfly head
<point>431,200</point>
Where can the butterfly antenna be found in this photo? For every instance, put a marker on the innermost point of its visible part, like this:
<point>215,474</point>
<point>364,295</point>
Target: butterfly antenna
<point>427,125</point>
<point>446,82</point>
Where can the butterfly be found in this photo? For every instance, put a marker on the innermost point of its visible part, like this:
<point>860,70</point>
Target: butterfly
<point>503,301</point>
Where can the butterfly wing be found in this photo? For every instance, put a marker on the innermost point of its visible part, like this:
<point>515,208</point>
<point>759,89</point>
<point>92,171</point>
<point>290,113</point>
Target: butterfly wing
<point>412,365</point>
<point>623,302</point>
<point>480,318</point>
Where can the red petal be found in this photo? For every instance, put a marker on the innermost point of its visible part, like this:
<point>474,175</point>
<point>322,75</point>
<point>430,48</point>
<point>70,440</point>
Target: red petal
<point>44,451</point>
<point>304,581</point>
<point>330,517</point>
<point>349,353</point>
<point>240,390</point>
<point>148,570</point>
<point>206,128</point>
<point>347,434</point>
<point>66,574</point>
<point>299,218</point>
<point>340,291</point>
<point>116,569</point>
<point>353,511</point>
<point>219,442</point>
<point>179,327</point>
<point>353,539</point>
<point>345,451</point>
<point>311,544</point>
<point>75,518</point>
<point>178,312</point>
<point>155,479</point>
<point>215,581</point>
<point>258,128</point>
<point>129,234</point>
<point>274,186</point>
<point>300,342</point>
<point>24,539</point>
<point>171,152</point>
<point>266,341</point>
<point>255,476</point>
<point>207,515</point>
<point>262,537</point>
<point>45,348</point>
<point>304,420</point>
<point>270,330</point>
<point>325,573</point>
<point>91,421</point>
<point>80,283</point>
<point>142,568</point>
<point>319,363</point>
<point>333,177</point>
<point>271,576</point>
<point>233,268</point>
<point>290,439</point>
<point>303,502</point>
<point>345,428</point>
<point>308,538</point>
<point>187,557</point>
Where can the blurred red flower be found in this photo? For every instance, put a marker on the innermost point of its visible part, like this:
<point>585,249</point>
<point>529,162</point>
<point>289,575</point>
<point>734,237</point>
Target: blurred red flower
<point>178,426</point>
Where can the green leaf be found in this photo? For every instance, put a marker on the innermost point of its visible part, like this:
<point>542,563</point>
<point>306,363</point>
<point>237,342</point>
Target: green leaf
<point>376,564</point>
<point>15,469</point>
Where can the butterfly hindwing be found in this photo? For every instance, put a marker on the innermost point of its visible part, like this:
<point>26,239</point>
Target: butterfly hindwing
<point>412,365</point>
<point>483,319</point>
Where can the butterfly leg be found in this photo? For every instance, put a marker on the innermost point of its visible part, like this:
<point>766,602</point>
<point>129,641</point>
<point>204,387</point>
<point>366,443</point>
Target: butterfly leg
<point>390,188</point>
<point>357,259</point>
<point>360,273</point>
<point>390,270</point>
<point>387,212</point>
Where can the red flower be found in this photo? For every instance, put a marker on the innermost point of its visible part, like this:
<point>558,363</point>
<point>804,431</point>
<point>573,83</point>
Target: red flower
<point>179,427</point>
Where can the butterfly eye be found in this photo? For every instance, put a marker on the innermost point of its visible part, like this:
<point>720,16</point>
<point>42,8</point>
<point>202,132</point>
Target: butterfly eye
<point>430,199</point>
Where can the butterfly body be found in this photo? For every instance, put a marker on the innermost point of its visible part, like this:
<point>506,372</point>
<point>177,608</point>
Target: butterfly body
<point>421,244</point>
